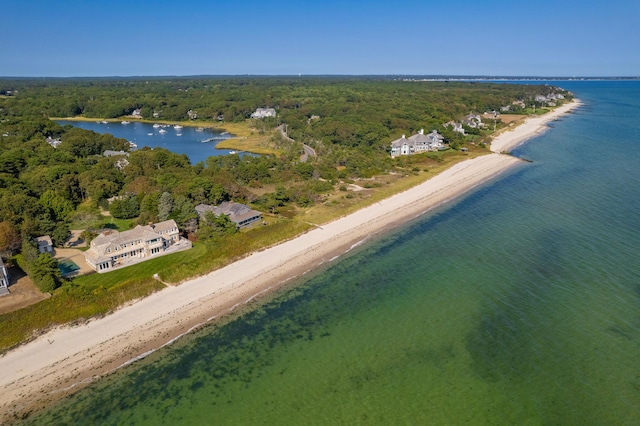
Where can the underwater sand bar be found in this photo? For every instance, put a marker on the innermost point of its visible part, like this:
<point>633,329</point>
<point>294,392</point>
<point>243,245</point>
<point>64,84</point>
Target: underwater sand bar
<point>66,358</point>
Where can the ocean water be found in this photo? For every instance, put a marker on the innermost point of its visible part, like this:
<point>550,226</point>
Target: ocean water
<point>198,146</point>
<point>519,304</point>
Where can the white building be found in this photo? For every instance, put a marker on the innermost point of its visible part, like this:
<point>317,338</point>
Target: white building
<point>417,143</point>
<point>113,248</point>
<point>264,112</point>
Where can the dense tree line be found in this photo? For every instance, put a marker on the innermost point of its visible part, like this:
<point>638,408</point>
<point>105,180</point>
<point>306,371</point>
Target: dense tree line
<point>349,121</point>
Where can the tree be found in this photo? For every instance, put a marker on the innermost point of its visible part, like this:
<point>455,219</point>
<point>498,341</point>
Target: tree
<point>59,206</point>
<point>165,206</point>
<point>184,213</point>
<point>125,208</point>
<point>213,227</point>
<point>45,273</point>
<point>41,267</point>
<point>9,239</point>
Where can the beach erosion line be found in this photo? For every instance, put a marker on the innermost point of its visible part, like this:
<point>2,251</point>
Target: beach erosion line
<point>64,359</point>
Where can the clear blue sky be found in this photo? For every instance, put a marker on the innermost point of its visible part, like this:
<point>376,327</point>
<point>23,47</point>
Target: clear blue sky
<point>452,37</point>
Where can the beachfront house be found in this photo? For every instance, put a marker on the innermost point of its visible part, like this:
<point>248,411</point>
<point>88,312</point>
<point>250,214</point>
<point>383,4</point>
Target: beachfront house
<point>263,113</point>
<point>112,248</point>
<point>4,279</point>
<point>473,120</point>
<point>240,214</point>
<point>45,245</point>
<point>416,144</point>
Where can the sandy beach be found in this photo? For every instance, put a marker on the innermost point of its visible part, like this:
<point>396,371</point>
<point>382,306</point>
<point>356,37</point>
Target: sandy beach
<point>510,138</point>
<point>64,359</point>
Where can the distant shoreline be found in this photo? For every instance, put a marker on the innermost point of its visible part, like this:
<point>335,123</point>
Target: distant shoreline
<point>65,359</point>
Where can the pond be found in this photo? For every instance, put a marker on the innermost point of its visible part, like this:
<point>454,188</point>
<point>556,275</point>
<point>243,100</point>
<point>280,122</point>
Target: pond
<point>197,143</point>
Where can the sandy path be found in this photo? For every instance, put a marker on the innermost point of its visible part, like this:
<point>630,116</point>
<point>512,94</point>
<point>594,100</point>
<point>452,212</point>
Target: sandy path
<point>63,359</point>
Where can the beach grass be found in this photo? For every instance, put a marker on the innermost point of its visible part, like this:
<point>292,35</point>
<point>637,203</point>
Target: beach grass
<point>96,294</point>
<point>342,203</point>
<point>247,138</point>
<point>70,304</point>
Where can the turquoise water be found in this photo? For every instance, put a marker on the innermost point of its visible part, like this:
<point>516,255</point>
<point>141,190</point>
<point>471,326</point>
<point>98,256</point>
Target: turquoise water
<point>518,305</point>
<point>198,146</point>
<point>67,266</point>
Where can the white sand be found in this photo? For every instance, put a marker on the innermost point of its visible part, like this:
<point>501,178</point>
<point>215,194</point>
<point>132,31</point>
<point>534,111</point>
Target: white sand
<point>532,126</point>
<point>65,358</point>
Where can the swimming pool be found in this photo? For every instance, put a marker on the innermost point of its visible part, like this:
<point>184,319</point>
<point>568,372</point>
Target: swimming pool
<point>67,266</point>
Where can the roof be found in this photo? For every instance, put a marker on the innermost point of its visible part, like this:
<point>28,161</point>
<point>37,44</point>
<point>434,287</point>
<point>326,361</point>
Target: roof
<point>111,153</point>
<point>399,142</point>
<point>43,241</point>
<point>418,138</point>
<point>166,225</point>
<point>237,212</point>
<point>109,239</point>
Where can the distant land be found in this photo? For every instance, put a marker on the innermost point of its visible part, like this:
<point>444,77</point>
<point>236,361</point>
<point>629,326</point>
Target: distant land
<point>405,77</point>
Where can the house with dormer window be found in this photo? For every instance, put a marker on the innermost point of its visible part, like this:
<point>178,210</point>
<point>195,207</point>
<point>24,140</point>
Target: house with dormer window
<point>416,144</point>
<point>112,248</point>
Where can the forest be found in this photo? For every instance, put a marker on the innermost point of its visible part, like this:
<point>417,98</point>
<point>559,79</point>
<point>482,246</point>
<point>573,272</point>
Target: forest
<point>349,121</point>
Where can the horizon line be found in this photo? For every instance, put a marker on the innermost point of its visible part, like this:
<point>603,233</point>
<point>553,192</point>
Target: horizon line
<point>300,75</point>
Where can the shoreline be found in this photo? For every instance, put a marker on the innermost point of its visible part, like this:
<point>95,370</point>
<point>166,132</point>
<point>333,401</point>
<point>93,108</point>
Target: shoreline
<point>531,127</point>
<point>67,358</point>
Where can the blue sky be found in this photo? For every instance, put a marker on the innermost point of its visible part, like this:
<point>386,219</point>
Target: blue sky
<point>445,37</point>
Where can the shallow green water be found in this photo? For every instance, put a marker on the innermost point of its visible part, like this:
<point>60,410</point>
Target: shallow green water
<point>518,305</point>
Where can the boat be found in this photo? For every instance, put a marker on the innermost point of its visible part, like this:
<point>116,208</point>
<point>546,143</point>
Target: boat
<point>233,152</point>
<point>155,126</point>
<point>200,129</point>
<point>177,127</point>
<point>104,122</point>
<point>162,131</point>
<point>149,134</point>
<point>125,122</point>
<point>178,134</point>
<point>132,145</point>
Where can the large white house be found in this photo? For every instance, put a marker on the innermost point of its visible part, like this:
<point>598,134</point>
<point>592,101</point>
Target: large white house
<point>417,143</point>
<point>4,279</point>
<point>263,112</point>
<point>112,248</point>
